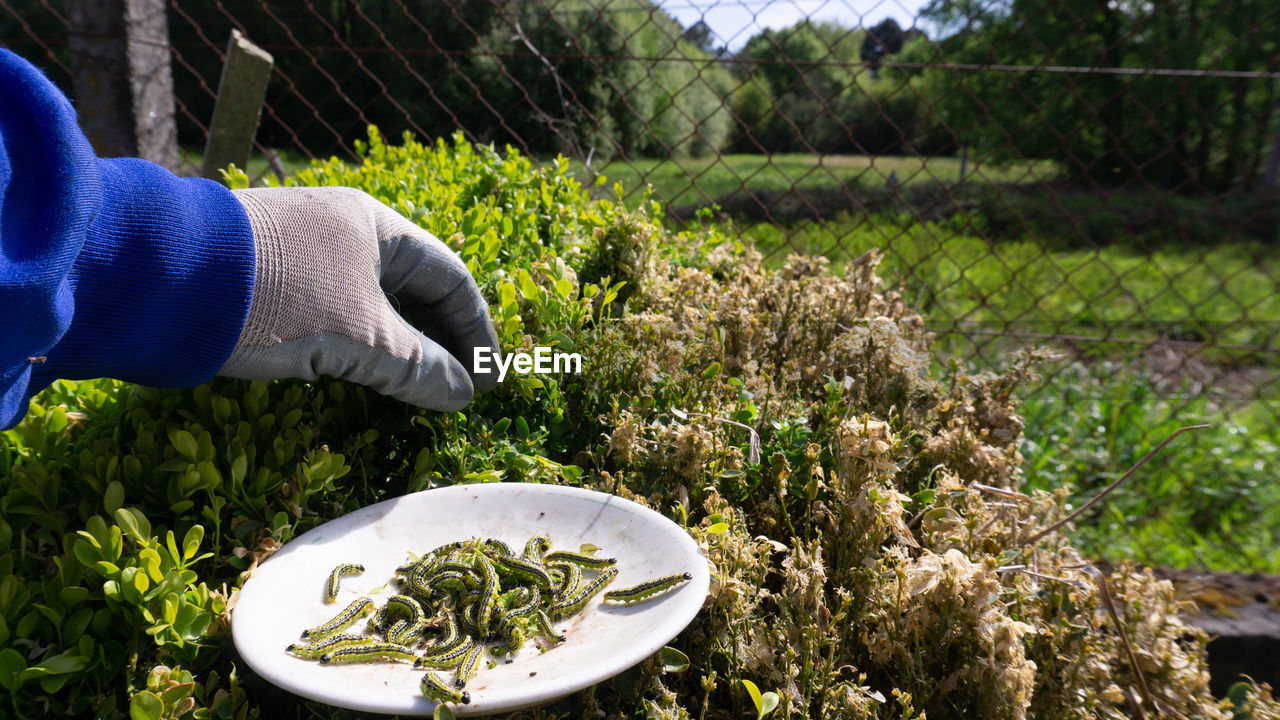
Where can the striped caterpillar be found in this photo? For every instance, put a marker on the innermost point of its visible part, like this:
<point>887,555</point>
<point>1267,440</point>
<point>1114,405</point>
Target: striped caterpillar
<point>331,585</point>
<point>646,590</point>
<point>464,599</point>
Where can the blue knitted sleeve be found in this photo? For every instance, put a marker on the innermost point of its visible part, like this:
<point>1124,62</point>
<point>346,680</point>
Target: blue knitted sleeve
<point>108,267</point>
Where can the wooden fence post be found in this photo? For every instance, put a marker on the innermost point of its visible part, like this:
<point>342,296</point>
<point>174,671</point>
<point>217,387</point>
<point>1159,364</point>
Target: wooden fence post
<point>241,91</point>
<point>122,79</point>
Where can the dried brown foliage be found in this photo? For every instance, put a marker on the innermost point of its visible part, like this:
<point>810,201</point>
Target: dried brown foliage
<point>875,562</point>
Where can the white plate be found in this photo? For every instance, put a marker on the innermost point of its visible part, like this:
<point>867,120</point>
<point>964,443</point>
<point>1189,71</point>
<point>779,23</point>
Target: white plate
<point>286,594</point>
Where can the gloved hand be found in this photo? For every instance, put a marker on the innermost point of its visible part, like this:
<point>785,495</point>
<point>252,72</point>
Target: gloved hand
<point>326,258</point>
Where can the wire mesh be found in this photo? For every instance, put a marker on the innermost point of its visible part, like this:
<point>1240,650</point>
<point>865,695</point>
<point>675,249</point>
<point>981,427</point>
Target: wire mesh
<point>1096,177</point>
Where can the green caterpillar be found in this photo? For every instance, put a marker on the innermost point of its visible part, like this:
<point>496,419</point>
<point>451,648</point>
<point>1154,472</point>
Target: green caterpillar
<point>572,578</point>
<point>433,687</point>
<point>646,590</point>
<point>342,620</point>
<point>474,596</point>
<point>373,652</point>
<point>314,650</point>
<point>331,586</point>
<point>587,561</point>
<point>447,657</point>
<point>543,623</point>
<point>488,594</point>
<point>537,546</point>
<point>470,664</point>
<point>575,603</point>
<point>525,568</point>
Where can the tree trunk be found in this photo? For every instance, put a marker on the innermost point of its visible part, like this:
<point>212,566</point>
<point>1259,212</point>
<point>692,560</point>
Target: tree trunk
<point>121,77</point>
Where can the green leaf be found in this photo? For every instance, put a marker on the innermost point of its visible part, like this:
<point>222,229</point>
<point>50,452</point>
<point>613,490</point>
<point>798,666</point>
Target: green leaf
<point>169,609</point>
<point>1238,694</point>
<point>506,294</point>
<point>27,624</point>
<point>11,665</point>
<point>146,705</point>
<point>718,528</point>
<point>56,665</point>
<point>754,692</point>
<point>53,616</point>
<point>673,661</point>
<point>172,546</point>
<point>55,421</point>
<point>712,370</point>
<point>150,560</point>
<point>175,694</point>
<point>184,442</point>
<point>53,683</point>
<point>175,465</point>
<point>770,701</point>
<point>59,664</point>
<point>191,543</point>
<point>113,498</point>
<point>73,595</point>
<point>209,475</point>
<point>85,552</point>
<point>129,525</point>
<point>90,539</point>
<point>240,467</point>
<point>442,713</point>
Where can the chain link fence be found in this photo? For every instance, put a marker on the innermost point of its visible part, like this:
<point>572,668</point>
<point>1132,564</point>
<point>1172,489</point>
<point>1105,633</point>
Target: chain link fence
<point>1100,178</point>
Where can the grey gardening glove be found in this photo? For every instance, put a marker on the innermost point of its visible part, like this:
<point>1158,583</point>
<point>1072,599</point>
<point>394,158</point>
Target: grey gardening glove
<point>326,260</point>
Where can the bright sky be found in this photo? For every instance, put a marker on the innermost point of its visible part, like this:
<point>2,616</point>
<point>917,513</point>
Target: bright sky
<point>735,21</point>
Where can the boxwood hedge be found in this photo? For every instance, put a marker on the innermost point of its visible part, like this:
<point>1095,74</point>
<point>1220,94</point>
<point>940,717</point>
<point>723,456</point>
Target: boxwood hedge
<point>873,553</point>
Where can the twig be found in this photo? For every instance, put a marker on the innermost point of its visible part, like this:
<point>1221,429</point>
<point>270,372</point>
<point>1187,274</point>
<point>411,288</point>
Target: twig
<point>1100,580</point>
<point>1026,570</point>
<point>753,450</point>
<point>997,517</point>
<point>1112,487</point>
<point>564,102</point>
<point>1001,492</point>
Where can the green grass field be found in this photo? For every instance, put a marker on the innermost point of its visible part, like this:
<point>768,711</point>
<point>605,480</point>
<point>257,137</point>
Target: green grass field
<point>1037,281</point>
<point>1224,296</point>
<point>697,181</point>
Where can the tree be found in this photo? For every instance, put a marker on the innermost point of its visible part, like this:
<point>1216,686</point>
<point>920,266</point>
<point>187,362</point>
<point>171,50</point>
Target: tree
<point>1110,125</point>
<point>701,36</point>
<point>803,69</point>
<point>883,39</point>
<point>596,78</point>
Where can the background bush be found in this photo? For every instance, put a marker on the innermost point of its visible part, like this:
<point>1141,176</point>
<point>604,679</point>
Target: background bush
<point>874,553</point>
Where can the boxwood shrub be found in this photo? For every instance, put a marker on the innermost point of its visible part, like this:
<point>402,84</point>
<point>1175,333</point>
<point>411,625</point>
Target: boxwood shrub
<point>873,553</point>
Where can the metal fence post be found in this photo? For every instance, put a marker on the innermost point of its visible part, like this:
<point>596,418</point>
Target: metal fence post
<point>122,79</point>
